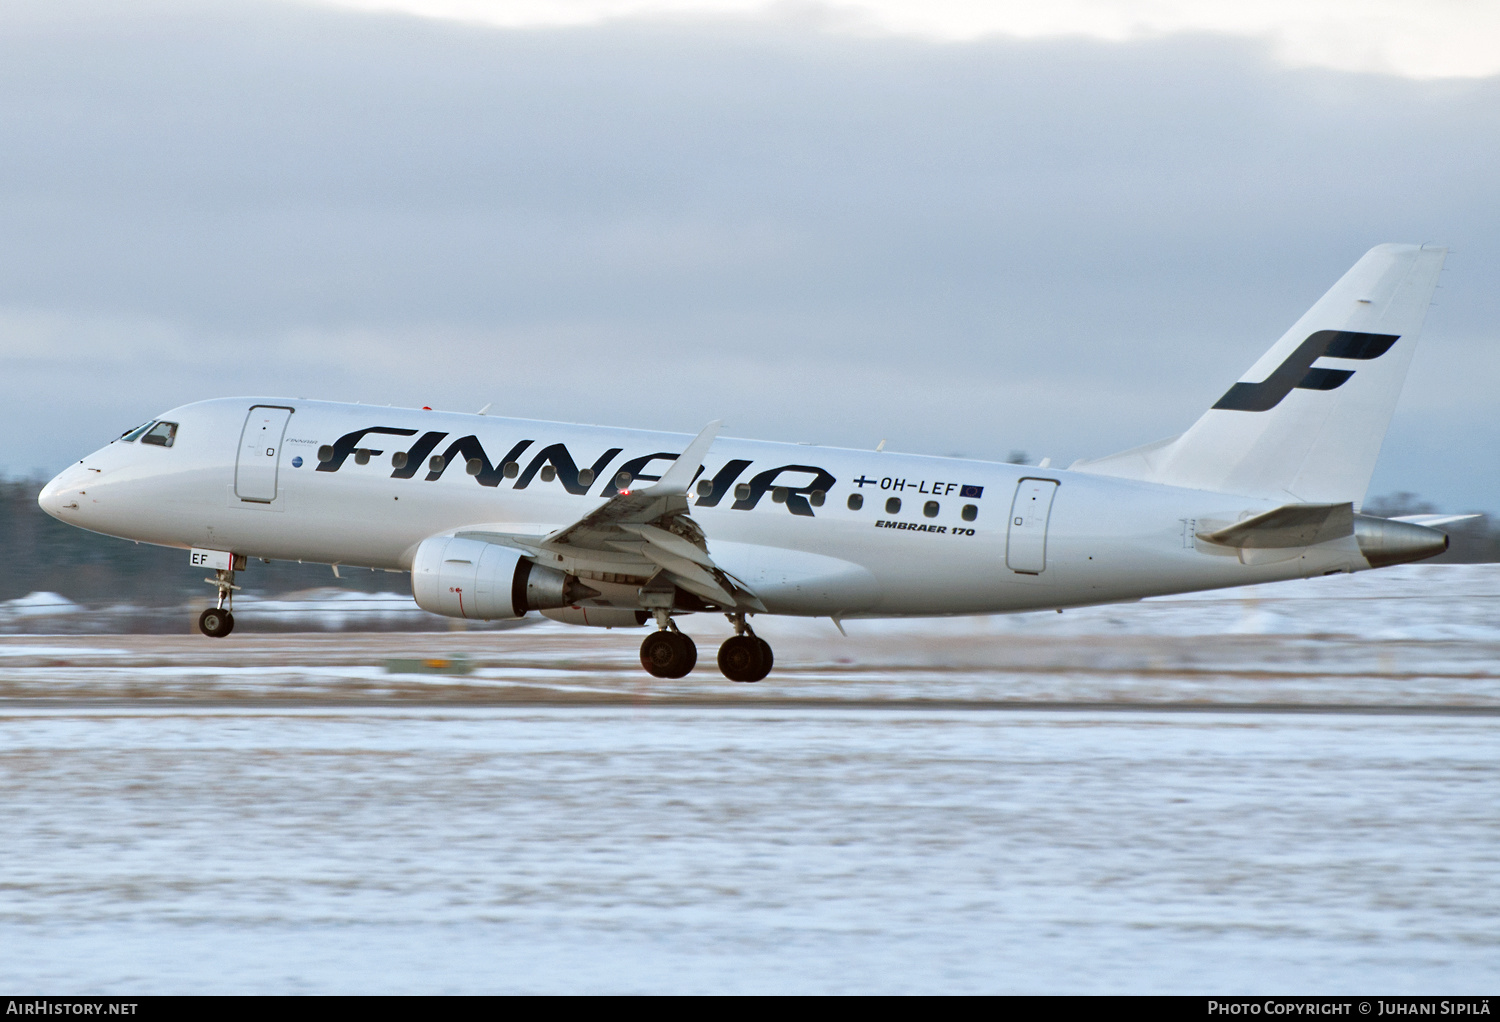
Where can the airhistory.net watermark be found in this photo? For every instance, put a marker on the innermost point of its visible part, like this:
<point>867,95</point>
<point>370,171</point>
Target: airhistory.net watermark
<point>45,1006</point>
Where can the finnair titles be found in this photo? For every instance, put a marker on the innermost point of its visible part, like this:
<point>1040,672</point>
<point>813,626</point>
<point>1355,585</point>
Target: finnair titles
<point>495,518</point>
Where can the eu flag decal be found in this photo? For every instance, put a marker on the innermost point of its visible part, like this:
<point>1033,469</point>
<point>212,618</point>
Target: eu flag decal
<point>971,491</point>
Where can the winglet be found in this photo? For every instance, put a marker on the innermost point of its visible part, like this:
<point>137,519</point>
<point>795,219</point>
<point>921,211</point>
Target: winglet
<point>677,478</point>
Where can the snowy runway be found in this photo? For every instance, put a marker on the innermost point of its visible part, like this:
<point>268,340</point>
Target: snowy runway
<point>279,812</point>
<point>679,849</point>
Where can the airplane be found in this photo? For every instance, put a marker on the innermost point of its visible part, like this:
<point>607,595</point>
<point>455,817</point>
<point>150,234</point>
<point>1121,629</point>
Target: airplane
<point>496,517</point>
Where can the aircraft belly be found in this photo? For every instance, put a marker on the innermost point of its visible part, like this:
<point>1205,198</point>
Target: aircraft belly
<point>796,581</point>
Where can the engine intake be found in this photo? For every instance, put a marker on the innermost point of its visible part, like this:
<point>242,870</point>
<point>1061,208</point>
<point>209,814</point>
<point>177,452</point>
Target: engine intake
<point>481,581</point>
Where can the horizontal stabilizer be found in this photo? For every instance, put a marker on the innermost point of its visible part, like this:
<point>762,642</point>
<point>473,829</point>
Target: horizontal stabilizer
<point>1433,521</point>
<point>1294,525</point>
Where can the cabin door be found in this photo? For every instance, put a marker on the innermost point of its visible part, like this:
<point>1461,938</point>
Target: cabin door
<point>1026,539</point>
<point>255,469</point>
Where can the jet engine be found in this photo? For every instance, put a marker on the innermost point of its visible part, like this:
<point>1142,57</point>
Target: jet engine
<point>470,578</point>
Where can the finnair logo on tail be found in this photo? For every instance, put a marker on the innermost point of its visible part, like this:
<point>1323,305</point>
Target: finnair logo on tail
<point>1298,372</point>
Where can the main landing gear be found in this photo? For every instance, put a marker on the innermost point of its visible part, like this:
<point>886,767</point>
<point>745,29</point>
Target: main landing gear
<point>667,653</point>
<point>218,621</point>
<point>745,656</point>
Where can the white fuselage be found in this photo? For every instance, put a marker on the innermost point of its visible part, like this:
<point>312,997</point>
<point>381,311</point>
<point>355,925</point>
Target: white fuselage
<point>1038,538</point>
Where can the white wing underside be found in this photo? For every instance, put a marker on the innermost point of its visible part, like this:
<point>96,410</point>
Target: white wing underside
<point>641,534</point>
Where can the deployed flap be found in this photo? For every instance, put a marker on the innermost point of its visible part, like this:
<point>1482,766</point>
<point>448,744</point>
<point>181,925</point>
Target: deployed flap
<point>1295,525</point>
<point>648,532</point>
<point>670,542</point>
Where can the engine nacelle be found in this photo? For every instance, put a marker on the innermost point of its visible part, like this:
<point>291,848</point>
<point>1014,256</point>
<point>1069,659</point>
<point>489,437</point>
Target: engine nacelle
<point>599,617</point>
<point>481,581</point>
<point>1384,542</point>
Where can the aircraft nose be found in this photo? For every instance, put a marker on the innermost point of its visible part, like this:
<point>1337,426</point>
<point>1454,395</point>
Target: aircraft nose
<point>56,496</point>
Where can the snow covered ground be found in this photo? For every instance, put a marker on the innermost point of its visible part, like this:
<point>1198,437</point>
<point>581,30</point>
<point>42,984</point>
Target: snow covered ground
<point>679,849</point>
<point>1286,788</point>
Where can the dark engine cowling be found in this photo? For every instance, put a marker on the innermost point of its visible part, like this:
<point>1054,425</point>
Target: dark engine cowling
<point>470,578</point>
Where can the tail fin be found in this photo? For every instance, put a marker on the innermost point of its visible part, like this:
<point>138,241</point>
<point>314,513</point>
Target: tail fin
<point>1307,421</point>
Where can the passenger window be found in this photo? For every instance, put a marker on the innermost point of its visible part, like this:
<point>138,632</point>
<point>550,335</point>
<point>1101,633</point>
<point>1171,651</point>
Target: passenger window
<point>893,506</point>
<point>930,509</point>
<point>856,501</point>
<point>135,434</point>
<point>969,513</point>
<point>816,498</point>
<point>163,434</point>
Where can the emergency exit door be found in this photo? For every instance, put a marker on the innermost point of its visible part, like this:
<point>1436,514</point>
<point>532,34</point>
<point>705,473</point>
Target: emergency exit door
<point>1026,540</point>
<point>255,468</point>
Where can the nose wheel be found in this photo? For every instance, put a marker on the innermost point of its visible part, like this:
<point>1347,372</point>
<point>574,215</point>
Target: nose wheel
<point>215,623</point>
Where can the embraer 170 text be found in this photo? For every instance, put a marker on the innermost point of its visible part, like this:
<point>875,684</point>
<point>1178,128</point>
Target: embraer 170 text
<point>498,517</point>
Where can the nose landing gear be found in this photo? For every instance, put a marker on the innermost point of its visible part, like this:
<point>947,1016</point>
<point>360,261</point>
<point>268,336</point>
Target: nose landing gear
<point>745,656</point>
<point>218,621</point>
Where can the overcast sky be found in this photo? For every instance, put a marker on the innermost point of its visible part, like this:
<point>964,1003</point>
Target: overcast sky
<point>825,224</point>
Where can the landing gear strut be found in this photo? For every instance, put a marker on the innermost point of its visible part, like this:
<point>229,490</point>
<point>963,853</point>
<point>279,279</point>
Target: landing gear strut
<point>668,653</point>
<point>745,656</point>
<point>218,621</point>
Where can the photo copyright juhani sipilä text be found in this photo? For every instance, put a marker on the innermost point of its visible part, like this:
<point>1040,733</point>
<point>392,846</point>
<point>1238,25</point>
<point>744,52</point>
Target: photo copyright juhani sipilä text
<point>1374,1007</point>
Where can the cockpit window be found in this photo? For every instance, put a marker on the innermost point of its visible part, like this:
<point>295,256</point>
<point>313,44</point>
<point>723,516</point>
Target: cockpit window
<point>135,434</point>
<point>162,434</point>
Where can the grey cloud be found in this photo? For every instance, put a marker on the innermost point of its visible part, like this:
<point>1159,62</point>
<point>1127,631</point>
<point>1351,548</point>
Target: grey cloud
<point>1065,247</point>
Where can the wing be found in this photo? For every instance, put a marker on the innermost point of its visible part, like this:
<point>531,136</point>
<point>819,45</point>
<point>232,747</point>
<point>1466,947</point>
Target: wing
<point>645,533</point>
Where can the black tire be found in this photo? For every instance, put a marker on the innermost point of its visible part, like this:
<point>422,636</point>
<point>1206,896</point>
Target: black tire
<point>689,655</point>
<point>769,657</point>
<point>741,658</point>
<point>668,655</point>
<point>215,623</point>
